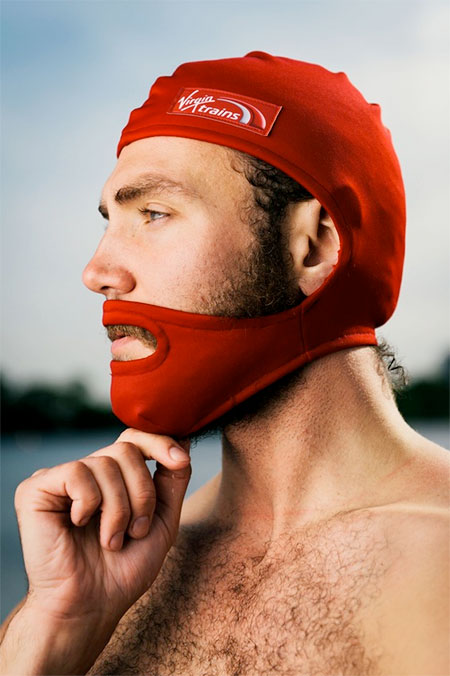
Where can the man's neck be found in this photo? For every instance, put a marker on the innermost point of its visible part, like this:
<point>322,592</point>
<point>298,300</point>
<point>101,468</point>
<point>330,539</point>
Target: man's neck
<point>336,444</point>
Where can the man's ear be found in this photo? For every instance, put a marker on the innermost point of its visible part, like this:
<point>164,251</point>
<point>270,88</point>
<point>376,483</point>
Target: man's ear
<point>313,243</point>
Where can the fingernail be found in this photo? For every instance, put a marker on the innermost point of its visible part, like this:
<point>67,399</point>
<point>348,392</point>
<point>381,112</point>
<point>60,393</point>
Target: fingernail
<point>140,526</point>
<point>116,540</point>
<point>178,454</point>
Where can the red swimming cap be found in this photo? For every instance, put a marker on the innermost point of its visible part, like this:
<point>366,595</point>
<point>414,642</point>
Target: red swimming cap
<point>316,127</point>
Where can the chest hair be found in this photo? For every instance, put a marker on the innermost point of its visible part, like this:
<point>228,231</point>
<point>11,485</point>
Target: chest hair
<point>296,609</point>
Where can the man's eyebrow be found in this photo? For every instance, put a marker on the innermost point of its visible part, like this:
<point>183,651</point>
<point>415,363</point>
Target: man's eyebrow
<point>146,185</point>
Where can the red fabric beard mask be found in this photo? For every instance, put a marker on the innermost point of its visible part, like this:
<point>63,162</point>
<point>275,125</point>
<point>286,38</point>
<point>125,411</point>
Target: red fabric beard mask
<point>317,128</point>
<point>204,365</point>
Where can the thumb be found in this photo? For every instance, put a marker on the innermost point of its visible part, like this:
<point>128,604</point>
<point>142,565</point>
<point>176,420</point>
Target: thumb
<point>170,486</point>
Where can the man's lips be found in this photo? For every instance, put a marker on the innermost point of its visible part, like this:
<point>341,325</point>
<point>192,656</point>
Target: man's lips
<point>129,348</point>
<point>130,342</point>
<point>119,343</point>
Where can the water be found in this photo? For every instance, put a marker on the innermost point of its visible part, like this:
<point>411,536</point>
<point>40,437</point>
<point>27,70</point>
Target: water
<point>22,455</point>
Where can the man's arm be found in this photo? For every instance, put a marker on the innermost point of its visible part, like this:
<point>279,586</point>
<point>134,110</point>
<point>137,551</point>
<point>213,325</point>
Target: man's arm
<point>5,623</point>
<point>35,643</point>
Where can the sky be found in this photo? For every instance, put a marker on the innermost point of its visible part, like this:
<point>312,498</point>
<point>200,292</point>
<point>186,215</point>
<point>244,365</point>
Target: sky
<point>73,70</point>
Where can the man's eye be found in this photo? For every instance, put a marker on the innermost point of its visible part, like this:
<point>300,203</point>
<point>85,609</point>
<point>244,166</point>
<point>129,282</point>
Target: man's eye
<point>153,215</point>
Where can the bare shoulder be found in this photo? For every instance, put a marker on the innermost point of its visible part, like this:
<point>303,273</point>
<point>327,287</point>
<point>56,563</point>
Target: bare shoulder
<point>417,521</point>
<point>199,504</point>
<point>421,485</point>
<point>411,617</point>
<point>431,464</point>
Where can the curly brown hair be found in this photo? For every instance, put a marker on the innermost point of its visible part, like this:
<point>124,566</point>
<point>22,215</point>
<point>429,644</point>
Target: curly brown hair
<point>390,366</point>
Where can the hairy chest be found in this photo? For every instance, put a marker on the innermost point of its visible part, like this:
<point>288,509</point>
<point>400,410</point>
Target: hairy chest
<point>297,610</point>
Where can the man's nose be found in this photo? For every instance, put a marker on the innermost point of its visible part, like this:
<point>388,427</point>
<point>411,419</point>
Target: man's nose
<point>104,274</point>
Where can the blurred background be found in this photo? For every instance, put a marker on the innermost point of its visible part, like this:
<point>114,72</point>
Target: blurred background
<point>71,73</point>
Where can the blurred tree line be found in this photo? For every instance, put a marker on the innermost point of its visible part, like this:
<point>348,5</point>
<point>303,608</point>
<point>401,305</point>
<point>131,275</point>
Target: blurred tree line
<point>428,397</point>
<point>45,407</point>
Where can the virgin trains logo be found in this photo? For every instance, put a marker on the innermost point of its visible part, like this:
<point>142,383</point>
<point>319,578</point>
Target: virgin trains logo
<point>241,111</point>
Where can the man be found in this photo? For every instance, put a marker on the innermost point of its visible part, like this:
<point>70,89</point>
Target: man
<point>241,298</point>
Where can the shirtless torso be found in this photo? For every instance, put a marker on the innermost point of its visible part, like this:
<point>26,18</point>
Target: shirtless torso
<point>351,595</point>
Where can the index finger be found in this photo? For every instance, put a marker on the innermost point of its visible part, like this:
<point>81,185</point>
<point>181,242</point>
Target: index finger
<point>154,447</point>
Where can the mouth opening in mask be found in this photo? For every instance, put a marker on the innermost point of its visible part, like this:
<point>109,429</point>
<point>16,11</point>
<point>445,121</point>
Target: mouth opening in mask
<point>131,343</point>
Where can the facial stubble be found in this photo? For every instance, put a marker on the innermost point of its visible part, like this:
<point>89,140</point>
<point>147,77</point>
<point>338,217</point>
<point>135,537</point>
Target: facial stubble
<point>260,282</point>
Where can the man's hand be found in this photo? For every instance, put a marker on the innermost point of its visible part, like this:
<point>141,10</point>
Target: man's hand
<point>95,531</point>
